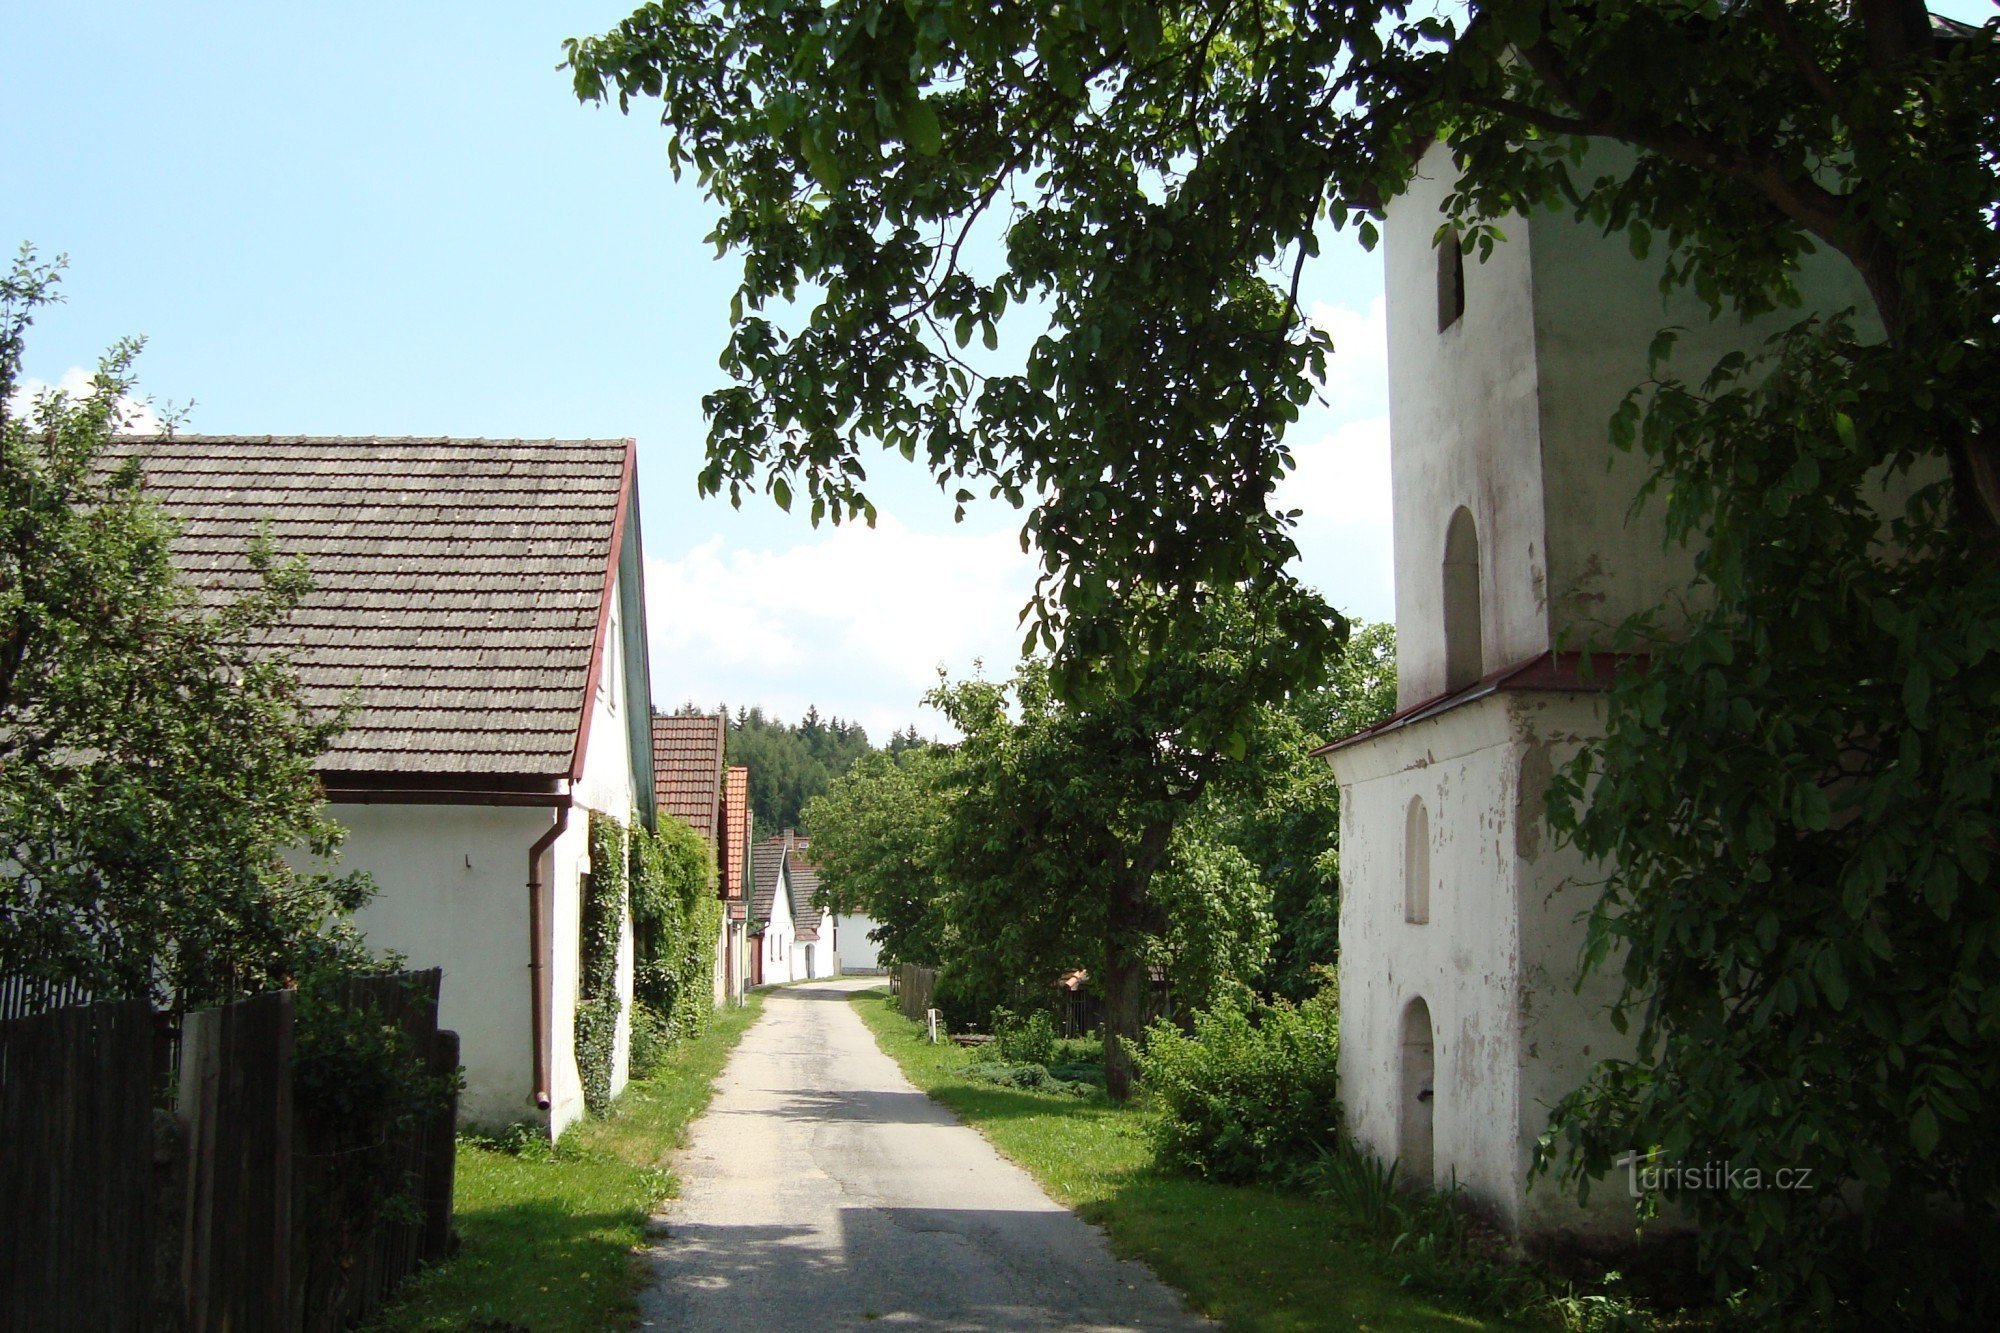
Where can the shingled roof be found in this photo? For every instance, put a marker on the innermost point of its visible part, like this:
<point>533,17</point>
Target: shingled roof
<point>736,832</point>
<point>767,858</point>
<point>460,586</point>
<point>687,772</point>
<point>806,914</point>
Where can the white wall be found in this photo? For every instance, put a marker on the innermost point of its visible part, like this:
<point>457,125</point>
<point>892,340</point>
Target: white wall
<point>1463,412</point>
<point>857,952</point>
<point>1496,962</point>
<point>452,893</point>
<point>781,953</point>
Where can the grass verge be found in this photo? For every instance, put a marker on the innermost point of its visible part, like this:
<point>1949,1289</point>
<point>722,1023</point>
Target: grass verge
<point>1254,1258</point>
<point>548,1235</point>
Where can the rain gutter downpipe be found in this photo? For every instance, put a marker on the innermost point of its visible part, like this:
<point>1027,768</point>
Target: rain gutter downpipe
<point>538,949</point>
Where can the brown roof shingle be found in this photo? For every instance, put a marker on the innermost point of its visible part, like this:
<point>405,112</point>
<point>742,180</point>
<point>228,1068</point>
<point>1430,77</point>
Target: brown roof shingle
<point>736,826</point>
<point>766,859</point>
<point>687,771</point>
<point>458,585</point>
<point>806,914</point>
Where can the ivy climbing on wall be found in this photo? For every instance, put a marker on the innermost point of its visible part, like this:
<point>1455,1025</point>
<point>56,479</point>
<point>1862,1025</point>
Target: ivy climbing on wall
<point>667,878</point>
<point>676,919</point>
<point>599,1004</point>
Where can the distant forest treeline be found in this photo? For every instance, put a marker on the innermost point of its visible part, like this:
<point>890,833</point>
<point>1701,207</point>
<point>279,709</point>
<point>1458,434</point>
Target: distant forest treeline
<point>790,763</point>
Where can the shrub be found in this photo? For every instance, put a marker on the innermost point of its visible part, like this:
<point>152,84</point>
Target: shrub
<point>1250,1094</point>
<point>1027,1077</point>
<point>652,1038</point>
<point>1024,1039</point>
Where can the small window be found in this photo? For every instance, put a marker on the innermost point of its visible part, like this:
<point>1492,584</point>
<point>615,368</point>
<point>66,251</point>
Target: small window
<point>614,674</point>
<point>1417,863</point>
<point>1464,648</point>
<point>1451,279</point>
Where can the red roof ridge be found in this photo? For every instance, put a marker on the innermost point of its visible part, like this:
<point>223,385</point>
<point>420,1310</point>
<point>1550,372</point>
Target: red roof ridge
<point>1553,672</point>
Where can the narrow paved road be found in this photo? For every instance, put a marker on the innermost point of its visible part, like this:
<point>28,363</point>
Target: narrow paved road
<point>822,1190</point>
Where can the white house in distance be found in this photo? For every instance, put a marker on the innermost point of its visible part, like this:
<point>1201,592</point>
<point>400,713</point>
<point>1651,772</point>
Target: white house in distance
<point>1460,1022</point>
<point>482,603</point>
<point>791,938</point>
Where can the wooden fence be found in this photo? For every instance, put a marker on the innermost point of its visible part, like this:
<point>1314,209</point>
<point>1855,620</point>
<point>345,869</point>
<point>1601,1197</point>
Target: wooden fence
<point>217,1211</point>
<point>914,988</point>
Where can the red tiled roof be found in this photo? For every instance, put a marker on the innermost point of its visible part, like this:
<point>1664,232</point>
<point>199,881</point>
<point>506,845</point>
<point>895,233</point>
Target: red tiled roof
<point>687,771</point>
<point>458,585</point>
<point>1553,672</point>
<point>736,831</point>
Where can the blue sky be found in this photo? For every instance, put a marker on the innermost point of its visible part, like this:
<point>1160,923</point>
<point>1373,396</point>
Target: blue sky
<point>372,219</point>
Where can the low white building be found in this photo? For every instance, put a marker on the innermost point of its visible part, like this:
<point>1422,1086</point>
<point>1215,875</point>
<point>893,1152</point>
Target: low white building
<point>852,948</point>
<point>481,604</point>
<point>792,936</point>
<point>1460,931</point>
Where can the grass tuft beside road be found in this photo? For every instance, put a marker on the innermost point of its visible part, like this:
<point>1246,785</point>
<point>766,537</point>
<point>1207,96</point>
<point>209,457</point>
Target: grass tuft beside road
<point>550,1235</point>
<point>1254,1258</point>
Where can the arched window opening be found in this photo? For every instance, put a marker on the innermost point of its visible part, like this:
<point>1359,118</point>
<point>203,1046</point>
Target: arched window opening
<point>1418,1108</point>
<point>1417,863</point>
<point>1451,279</point>
<point>1464,654</point>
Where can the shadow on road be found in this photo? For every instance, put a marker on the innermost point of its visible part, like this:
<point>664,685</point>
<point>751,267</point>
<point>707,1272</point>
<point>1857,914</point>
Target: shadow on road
<point>921,1268</point>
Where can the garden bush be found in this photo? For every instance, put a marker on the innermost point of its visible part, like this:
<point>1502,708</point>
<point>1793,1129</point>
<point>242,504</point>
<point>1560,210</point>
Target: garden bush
<point>1024,1039</point>
<point>1027,1077</point>
<point>1249,1095</point>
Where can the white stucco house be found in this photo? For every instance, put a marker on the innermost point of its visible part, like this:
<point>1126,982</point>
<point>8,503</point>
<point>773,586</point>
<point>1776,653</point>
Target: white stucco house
<point>1460,931</point>
<point>481,604</point>
<point>796,939</point>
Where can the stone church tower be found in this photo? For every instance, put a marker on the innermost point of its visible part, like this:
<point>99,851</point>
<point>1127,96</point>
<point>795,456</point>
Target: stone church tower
<point>1460,929</point>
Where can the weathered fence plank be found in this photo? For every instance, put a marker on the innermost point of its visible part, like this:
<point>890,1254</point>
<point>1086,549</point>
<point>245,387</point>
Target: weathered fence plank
<point>101,1230</point>
<point>236,1095</point>
<point>76,1145</point>
<point>441,1161</point>
<point>915,990</point>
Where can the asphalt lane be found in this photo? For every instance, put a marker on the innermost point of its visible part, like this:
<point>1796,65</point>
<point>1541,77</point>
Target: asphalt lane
<point>822,1190</point>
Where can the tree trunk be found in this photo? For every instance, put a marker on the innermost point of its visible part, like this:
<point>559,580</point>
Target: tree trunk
<point>1133,919</point>
<point>1124,1015</point>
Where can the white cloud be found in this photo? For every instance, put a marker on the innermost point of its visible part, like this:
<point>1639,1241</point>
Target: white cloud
<point>856,622</point>
<point>1357,374</point>
<point>136,415</point>
<point>1345,533</point>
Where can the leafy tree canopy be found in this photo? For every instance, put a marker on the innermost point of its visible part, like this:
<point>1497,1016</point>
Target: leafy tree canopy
<point>155,763</point>
<point>1794,802</point>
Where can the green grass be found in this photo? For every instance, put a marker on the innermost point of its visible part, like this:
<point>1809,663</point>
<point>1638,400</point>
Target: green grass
<point>1256,1259</point>
<point>549,1236</point>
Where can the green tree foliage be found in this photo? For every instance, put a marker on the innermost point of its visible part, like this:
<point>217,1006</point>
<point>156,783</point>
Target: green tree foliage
<point>791,764</point>
<point>853,149</point>
<point>876,839</point>
<point>1074,835</point>
<point>1291,832</point>
<point>1794,803</point>
<point>156,760</point>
